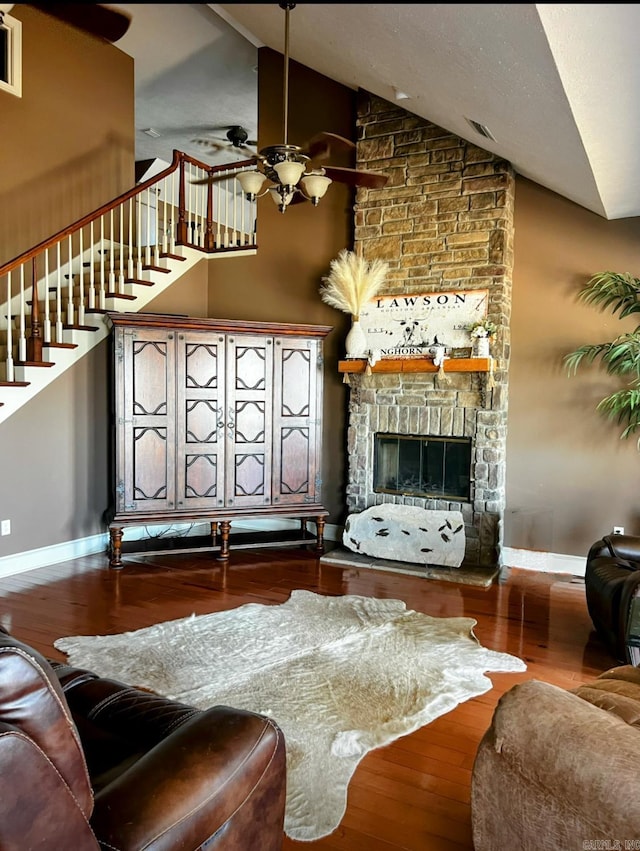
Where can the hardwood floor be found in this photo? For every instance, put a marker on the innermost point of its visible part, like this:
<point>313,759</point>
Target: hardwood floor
<point>413,794</point>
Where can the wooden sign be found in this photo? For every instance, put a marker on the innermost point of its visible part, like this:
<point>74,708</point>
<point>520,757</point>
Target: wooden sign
<point>412,325</point>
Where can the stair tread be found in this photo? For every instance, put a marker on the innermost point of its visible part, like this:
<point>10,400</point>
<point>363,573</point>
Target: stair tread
<point>121,295</point>
<point>80,327</point>
<point>151,268</point>
<point>172,256</point>
<point>34,363</point>
<point>14,383</point>
<point>61,345</point>
<point>139,282</point>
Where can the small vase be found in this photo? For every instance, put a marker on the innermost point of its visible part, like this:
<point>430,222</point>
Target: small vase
<point>356,340</point>
<point>481,347</point>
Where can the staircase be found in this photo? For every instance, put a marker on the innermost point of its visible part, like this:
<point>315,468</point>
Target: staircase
<point>118,258</point>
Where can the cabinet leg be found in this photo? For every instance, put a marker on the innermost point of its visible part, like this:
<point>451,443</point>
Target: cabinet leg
<point>319,534</point>
<point>225,528</point>
<point>115,547</point>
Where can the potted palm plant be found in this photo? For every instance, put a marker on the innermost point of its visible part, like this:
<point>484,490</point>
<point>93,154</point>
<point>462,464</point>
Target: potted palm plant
<point>619,293</point>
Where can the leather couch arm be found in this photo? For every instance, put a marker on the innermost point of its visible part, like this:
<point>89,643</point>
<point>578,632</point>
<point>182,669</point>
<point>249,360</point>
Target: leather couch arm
<point>619,546</point>
<point>221,771</point>
<point>553,765</point>
<point>37,808</point>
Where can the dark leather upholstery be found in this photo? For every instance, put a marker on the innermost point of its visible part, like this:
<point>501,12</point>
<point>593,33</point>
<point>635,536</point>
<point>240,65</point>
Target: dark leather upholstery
<point>89,763</point>
<point>612,579</point>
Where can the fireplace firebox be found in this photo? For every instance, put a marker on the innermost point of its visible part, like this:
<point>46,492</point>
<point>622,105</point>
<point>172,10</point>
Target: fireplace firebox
<point>423,466</point>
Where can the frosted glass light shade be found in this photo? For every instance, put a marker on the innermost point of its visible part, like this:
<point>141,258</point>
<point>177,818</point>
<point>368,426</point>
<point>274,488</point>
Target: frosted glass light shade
<point>315,186</point>
<point>251,181</point>
<point>289,172</point>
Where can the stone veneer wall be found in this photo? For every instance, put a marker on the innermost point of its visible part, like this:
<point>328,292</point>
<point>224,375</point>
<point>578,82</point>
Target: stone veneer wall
<point>443,222</point>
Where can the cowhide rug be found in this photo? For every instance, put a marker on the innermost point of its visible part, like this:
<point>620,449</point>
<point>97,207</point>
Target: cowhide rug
<point>340,675</point>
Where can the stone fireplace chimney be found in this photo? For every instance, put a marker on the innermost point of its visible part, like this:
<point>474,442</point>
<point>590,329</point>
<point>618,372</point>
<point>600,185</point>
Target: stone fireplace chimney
<point>444,222</point>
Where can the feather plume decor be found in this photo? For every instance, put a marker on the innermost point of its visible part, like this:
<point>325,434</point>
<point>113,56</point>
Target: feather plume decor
<point>352,281</point>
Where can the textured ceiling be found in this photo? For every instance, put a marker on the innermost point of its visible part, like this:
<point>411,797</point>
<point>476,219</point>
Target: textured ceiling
<point>557,85</point>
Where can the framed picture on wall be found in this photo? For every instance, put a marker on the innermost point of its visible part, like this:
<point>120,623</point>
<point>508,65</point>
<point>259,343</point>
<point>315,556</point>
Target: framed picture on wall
<point>409,326</point>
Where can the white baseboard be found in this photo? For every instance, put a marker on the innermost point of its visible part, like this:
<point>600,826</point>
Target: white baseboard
<point>56,553</point>
<point>544,562</point>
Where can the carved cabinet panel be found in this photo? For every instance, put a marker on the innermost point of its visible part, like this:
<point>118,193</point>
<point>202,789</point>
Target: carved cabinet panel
<point>214,419</point>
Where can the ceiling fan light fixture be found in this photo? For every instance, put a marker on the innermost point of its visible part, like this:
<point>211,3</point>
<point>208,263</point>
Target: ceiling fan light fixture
<point>289,172</point>
<point>251,183</point>
<point>315,186</point>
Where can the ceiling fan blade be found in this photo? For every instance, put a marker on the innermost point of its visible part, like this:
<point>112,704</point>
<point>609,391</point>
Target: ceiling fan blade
<point>319,148</point>
<point>355,177</point>
<point>92,18</point>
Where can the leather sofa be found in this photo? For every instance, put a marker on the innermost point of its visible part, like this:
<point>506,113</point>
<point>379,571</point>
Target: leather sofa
<point>612,580</point>
<point>89,763</point>
<point>558,769</point>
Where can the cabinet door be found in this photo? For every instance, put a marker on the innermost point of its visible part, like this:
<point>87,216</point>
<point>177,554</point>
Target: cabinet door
<point>200,418</point>
<point>249,420</point>
<point>145,420</point>
<point>296,424</point>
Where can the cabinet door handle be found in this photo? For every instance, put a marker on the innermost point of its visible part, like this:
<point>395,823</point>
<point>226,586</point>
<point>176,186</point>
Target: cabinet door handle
<point>220,419</point>
<point>231,424</point>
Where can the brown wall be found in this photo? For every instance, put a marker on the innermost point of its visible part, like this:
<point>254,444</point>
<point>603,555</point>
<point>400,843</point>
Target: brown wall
<point>66,148</point>
<point>569,476</point>
<point>67,145</point>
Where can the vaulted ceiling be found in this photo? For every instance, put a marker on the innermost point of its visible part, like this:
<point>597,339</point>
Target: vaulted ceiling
<point>557,87</point>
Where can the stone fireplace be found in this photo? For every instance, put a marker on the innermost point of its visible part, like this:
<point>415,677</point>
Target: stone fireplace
<point>444,222</point>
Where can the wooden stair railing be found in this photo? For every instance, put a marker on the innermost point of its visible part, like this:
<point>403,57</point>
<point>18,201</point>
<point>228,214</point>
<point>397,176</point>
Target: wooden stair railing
<point>99,260</point>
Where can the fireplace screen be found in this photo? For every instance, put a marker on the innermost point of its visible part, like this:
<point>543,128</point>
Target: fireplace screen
<point>415,465</point>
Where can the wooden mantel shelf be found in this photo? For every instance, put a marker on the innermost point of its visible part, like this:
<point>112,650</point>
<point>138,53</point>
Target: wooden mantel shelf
<point>417,365</point>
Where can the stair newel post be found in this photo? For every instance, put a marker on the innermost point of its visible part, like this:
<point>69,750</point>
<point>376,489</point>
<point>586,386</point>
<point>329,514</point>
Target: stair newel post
<point>181,235</point>
<point>209,240</point>
<point>9,330</point>
<point>34,343</point>
<point>22,334</point>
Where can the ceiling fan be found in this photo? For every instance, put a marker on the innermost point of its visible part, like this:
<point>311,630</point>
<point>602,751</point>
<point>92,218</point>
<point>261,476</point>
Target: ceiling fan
<point>236,137</point>
<point>102,21</point>
<point>291,170</point>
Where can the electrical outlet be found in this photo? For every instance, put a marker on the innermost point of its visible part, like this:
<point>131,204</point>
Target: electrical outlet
<point>618,530</point>
<point>5,527</point>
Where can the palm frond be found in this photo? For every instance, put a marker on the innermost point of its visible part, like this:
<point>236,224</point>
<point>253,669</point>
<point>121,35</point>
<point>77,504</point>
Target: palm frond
<point>617,291</point>
<point>352,281</point>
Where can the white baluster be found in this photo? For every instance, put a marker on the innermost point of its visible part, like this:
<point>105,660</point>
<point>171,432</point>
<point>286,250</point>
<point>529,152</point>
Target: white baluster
<point>81,305</point>
<point>10,372</point>
<point>226,214</point>
<point>70,306</point>
<point>46,327</point>
<point>59,328</point>
<point>130,273</point>
<point>174,215</point>
<point>102,294</point>
<point>112,262</point>
<point>22,335</point>
<point>218,191</point>
<point>92,270</point>
<point>121,247</point>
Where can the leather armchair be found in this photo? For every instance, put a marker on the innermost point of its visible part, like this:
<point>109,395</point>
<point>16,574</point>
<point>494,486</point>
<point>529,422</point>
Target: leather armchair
<point>612,580</point>
<point>89,763</point>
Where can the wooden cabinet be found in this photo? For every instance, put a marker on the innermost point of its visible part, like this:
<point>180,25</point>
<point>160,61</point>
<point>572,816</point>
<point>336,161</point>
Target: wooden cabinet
<point>214,419</point>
